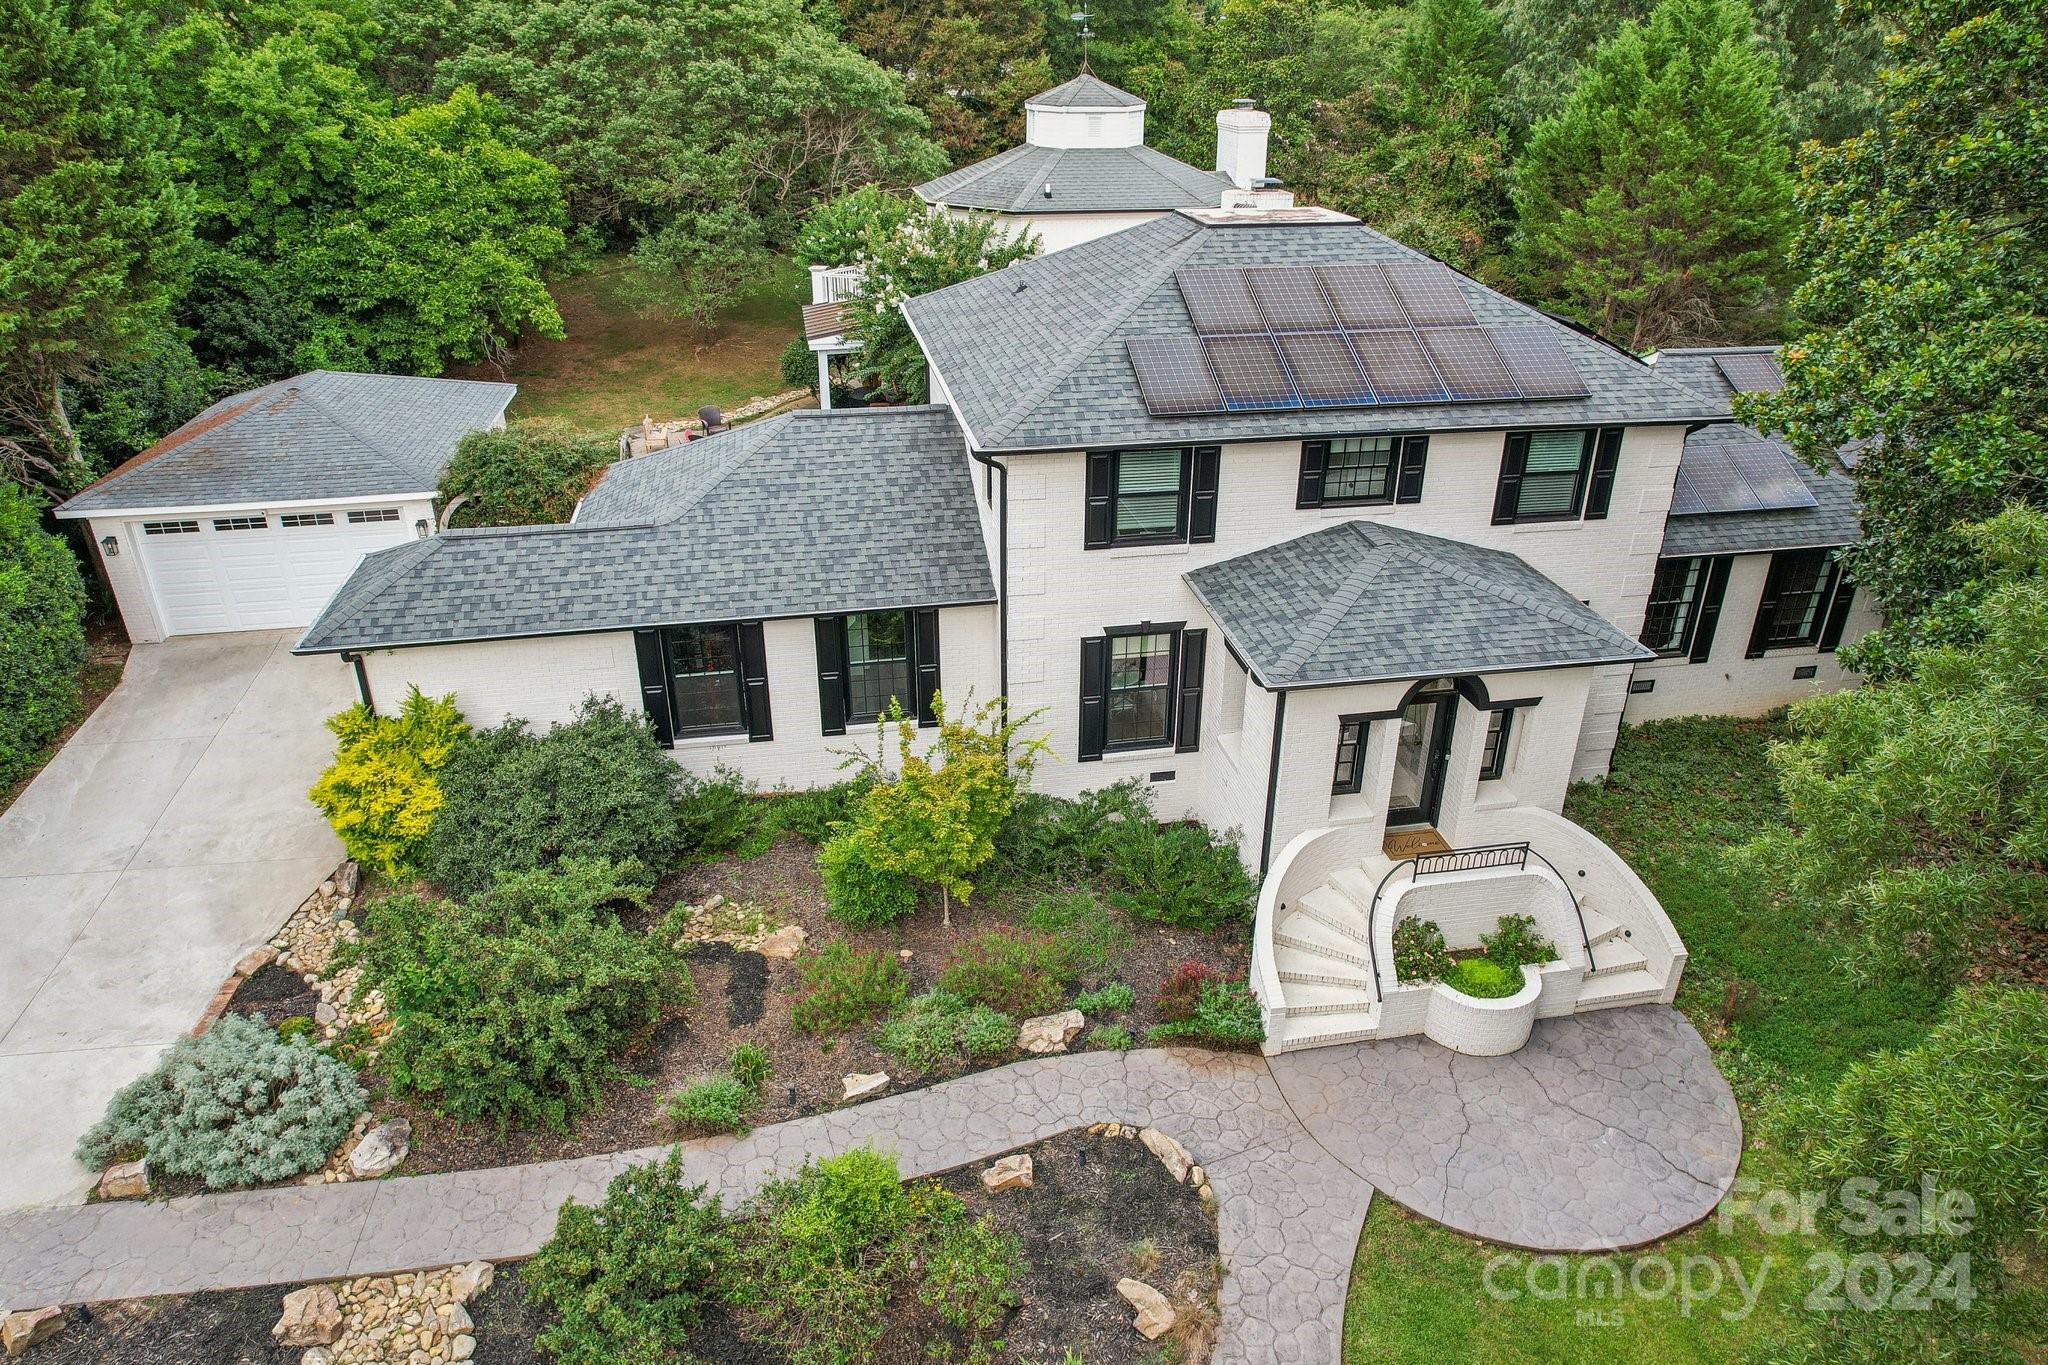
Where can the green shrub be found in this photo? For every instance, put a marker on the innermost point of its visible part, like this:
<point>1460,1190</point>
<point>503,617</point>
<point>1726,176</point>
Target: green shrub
<point>531,473</point>
<point>816,812</point>
<point>597,787</point>
<point>1180,993</point>
<point>749,1066</point>
<point>968,1266</point>
<point>1050,841</point>
<point>715,1104</point>
<point>381,793</point>
<point>937,1027</point>
<point>841,985</point>
<point>298,1026</point>
<point>42,632</point>
<point>1017,973</point>
<point>862,895</point>
<point>1967,1106</point>
<point>1225,1013</point>
<point>235,1106</point>
<point>515,1017</point>
<point>1113,998</point>
<point>798,364</point>
<point>1112,1036</point>
<point>573,887</point>
<point>629,1279</point>
<point>720,814</point>
<point>1419,951</point>
<point>1483,978</point>
<point>1515,942</point>
<point>1090,927</point>
<point>1178,875</point>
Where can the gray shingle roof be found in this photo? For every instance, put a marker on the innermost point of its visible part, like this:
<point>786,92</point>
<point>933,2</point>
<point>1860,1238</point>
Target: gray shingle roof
<point>1086,91</point>
<point>1364,601</point>
<point>1083,180</point>
<point>1034,356</point>
<point>1832,520</point>
<point>809,513</point>
<point>324,434</point>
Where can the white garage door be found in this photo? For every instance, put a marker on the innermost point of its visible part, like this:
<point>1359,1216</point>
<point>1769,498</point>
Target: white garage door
<point>257,571</point>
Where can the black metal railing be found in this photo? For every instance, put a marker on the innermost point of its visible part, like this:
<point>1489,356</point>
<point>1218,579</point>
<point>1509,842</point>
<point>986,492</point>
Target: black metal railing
<point>1478,858</point>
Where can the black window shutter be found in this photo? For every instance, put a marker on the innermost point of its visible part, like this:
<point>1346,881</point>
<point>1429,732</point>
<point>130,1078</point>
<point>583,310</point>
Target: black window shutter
<point>1838,617</point>
<point>754,673</point>
<point>831,674</point>
<point>1094,697</point>
<point>1101,477</point>
<point>1710,607</point>
<point>1202,507</point>
<point>654,685</point>
<point>1414,457</point>
<point>1194,649</point>
<point>1315,458</point>
<point>1765,609</point>
<point>1605,459</point>
<point>1513,457</point>
<point>926,621</point>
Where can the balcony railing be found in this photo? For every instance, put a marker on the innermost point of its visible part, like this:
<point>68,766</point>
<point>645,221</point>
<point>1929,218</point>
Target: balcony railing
<point>834,283</point>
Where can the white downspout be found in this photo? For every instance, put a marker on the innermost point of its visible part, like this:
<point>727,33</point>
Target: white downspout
<point>824,380</point>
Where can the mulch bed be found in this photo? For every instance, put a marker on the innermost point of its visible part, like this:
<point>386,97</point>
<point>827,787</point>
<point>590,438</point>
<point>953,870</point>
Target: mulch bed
<point>227,1327</point>
<point>743,997</point>
<point>276,994</point>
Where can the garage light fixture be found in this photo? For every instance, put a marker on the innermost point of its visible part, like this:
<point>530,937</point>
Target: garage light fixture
<point>420,529</point>
<point>110,547</point>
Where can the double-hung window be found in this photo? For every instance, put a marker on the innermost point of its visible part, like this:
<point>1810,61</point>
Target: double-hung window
<point>1151,497</point>
<point>1673,611</point>
<point>706,694</point>
<point>1362,471</point>
<point>1493,756</point>
<point>877,664</point>
<point>1557,475</point>
<point>1804,602</point>
<point>1141,688</point>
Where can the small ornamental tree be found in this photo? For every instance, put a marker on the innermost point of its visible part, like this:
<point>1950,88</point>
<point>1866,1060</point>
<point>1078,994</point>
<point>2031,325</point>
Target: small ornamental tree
<point>937,821</point>
<point>929,251</point>
<point>381,793</point>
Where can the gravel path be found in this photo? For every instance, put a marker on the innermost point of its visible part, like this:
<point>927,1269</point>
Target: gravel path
<point>1290,1148</point>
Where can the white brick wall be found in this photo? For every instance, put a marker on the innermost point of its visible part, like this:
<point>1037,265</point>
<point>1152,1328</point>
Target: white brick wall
<point>545,679</point>
<point>1062,593</point>
<point>1726,683</point>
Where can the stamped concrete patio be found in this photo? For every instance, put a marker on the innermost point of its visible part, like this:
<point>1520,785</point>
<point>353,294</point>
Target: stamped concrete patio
<point>1610,1130</point>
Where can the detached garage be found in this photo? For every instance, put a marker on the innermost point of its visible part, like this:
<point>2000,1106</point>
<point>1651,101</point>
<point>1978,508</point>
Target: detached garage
<point>249,516</point>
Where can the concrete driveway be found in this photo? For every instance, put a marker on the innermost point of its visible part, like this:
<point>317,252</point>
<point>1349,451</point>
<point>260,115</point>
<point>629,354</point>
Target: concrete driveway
<point>171,835</point>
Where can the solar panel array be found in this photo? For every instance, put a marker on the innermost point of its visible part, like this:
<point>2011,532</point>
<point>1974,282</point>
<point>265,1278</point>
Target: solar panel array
<point>1737,476</point>
<point>1751,372</point>
<point>1340,336</point>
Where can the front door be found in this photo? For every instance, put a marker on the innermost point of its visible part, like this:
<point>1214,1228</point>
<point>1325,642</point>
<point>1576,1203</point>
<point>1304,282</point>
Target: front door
<point>1421,752</point>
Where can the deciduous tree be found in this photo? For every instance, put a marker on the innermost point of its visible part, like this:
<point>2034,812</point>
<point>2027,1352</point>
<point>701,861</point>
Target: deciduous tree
<point>930,251</point>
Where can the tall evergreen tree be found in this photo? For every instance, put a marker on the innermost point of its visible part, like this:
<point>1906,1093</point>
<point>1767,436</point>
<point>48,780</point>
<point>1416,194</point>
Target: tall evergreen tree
<point>1925,270</point>
<point>94,232</point>
<point>1657,204</point>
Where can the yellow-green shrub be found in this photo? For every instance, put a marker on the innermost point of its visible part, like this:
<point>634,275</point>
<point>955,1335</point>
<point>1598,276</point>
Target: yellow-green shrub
<point>380,794</point>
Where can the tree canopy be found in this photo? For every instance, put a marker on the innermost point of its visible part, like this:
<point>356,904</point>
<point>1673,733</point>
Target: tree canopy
<point>928,251</point>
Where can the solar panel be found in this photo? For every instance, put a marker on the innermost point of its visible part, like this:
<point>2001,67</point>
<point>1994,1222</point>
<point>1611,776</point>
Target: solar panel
<point>1751,372</point>
<point>1394,362</point>
<point>1430,293</point>
<point>1173,376</point>
<point>1249,373</point>
<point>1290,298</point>
<point>1539,366</point>
<point>1470,366</point>
<point>1218,301</point>
<point>1326,374</point>
<point>1737,476</point>
<point>1361,295</point>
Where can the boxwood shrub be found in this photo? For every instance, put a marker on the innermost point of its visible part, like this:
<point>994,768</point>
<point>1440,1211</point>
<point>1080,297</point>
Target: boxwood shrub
<point>42,635</point>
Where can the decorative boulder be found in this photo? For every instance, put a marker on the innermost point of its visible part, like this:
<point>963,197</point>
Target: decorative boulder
<point>1155,1314</point>
<point>255,960</point>
<point>470,1281</point>
<point>125,1180</point>
<point>312,1317</point>
<point>381,1149</point>
<point>864,1083</point>
<point>1049,1032</point>
<point>1170,1153</point>
<point>349,878</point>
<point>31,1327</point>
<point>784,944</point>
<point>1010,1173</point>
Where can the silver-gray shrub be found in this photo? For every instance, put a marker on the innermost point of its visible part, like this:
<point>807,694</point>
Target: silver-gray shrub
<point>234,1106</point>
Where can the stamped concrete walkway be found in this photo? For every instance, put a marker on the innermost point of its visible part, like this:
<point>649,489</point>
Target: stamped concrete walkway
<point>1282,1145</point>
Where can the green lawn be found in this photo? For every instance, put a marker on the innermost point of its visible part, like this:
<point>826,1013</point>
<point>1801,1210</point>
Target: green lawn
<point>1683,794</point>
<point>622,360</point>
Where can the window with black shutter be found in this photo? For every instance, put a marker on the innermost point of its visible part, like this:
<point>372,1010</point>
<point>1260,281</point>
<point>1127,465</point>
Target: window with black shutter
<point>868,661</point>
<point>1673,609</point>
<point>1131,695</point>
<point>1145,497</point>
<point>1194,650</point>
<point>1556,475</point>
<point>1709,612</point>
<point>1794,609</point>
<point>1362,471</point>
<point>704,679</point>
<point>1208,469</point>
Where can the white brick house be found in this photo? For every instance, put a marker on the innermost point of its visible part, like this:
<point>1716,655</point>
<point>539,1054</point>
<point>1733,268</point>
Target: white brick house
<point>1334,548</point>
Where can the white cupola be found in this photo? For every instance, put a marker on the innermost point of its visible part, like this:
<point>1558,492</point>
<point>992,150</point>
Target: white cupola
<point>1084,112</point>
